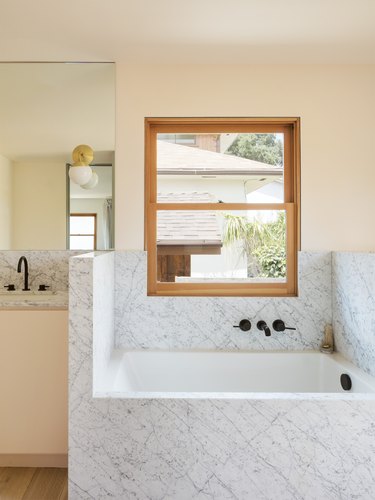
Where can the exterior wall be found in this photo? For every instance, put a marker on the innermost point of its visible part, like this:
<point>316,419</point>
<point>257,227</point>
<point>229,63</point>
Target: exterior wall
<point>231,263</point>
<point>331,101</point>
<point>228,190</point>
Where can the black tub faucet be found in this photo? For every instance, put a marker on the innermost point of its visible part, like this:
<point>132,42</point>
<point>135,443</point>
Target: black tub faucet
<point>243,325</point>
<point>279,326</point>
<point>26,275</point>
<point>262,325</point>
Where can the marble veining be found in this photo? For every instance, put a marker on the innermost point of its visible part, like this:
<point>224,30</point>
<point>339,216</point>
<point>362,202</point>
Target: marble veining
<point>183,449</point>
<point>354,307</point>
<point>207,322</point>
<point>103,316</point>
<point>48,267</point>
<point>218,449</point>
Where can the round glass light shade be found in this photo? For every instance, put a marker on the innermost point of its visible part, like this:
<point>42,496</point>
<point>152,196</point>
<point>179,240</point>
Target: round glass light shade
<point>92,182</point>
<point>80,175</point>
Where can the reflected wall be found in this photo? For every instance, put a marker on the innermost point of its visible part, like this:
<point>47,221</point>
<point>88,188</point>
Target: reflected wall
<point>47,109</point>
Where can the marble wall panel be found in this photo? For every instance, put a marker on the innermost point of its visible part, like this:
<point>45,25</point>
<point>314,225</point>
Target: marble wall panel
<point>48,267</point>
<point>143,322</point>
<point>353,295</point>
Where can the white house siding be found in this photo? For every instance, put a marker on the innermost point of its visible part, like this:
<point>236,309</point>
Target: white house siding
<point>232,263</point>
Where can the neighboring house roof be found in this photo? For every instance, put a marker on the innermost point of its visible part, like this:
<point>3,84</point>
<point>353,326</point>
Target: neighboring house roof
<point>175,159</point>
<point>188,227</point>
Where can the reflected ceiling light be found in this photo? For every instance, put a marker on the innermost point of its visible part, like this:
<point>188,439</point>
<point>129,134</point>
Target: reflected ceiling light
<point>80,172</point>
<point>92,182</point>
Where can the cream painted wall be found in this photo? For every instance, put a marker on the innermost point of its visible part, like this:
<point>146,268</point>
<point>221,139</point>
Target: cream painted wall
<point>337,108</point>
<point>34,382</point>
<point>39,205</point>
<point>5,203</point>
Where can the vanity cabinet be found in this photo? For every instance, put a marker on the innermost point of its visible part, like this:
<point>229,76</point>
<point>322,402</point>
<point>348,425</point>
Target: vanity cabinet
<point>34,387</point>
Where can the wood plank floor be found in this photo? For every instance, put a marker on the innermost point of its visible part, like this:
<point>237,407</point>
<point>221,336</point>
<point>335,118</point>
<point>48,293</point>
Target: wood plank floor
<point>32,483</point>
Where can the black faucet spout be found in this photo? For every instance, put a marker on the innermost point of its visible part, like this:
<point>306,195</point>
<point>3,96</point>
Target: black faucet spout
<point>26,275</point>
<point>262,325</point>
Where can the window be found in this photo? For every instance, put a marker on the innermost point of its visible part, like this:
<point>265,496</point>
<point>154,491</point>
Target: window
<point>222,217</point>
<point>82,232</point>
<point>188,139</point>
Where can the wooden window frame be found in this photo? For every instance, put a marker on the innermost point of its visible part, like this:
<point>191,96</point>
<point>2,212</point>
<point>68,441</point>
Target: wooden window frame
<point>95,226</point>
<point>290,126</point>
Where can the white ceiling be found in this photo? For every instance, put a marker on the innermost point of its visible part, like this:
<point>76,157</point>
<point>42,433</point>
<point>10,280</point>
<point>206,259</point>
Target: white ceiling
<point>194,31</point>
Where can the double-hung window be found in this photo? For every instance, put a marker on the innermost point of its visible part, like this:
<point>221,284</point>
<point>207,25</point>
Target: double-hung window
<point>222,208</point>
<point>82,231</point>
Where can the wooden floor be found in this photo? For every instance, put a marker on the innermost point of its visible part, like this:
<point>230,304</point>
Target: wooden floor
<point>32,483</point>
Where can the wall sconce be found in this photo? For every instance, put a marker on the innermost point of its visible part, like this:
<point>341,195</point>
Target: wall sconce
<point>80,172</point>
<point>92,182</point>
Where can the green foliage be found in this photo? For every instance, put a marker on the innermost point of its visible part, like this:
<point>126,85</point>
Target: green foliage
<point>262,243</point>
<point>272,261</point>
<point>266,148</point>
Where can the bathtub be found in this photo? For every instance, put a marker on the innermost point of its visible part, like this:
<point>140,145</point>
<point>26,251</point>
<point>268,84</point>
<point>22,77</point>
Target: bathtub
<point>169,374</point>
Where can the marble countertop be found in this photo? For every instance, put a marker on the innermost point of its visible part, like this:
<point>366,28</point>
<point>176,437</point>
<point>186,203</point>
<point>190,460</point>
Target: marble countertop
<point>19,300</point>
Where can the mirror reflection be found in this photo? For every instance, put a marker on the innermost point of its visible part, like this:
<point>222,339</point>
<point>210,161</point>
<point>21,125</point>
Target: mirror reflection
<point>47,109</point>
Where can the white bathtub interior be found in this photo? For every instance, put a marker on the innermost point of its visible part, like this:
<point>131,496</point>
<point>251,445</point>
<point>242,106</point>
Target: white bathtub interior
<point>207,374</point>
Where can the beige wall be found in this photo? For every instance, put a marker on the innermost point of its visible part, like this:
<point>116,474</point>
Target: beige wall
<point>337,108</point>
<point>34,382</point>
<point>5,203</point>
<point>39,205</point>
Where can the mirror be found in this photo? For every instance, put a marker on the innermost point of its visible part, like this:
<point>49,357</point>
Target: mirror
<point>47,109</point>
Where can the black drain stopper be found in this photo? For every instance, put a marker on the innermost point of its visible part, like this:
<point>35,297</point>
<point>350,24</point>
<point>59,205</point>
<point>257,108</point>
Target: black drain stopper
<point>346,382</point>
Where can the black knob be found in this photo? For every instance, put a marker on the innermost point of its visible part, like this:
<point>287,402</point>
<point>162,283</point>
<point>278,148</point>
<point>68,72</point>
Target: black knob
<point>243,325</point>
<point>43,288</point>
<point>279,326</point>
<point>10,288</point>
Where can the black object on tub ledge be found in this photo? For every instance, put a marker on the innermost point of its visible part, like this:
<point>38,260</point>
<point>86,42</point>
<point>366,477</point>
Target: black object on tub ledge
<point>346,382</point>
<point>243,325</point>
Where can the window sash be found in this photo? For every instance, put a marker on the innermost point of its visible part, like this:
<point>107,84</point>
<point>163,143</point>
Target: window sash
<point>290,128</point>
<point>93,235</point>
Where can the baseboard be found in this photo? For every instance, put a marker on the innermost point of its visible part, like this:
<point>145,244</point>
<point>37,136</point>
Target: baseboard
<point>33,460</point>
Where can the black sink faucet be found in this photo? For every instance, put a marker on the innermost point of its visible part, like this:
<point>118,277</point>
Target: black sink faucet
<point>26,266</point>
<point>262,325</point>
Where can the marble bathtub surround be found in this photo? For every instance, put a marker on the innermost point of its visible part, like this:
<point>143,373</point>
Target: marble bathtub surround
<point>303,448</point>
<point>353,277</point>
<point>47,267</point>
<point>207,322</point>
<point>103,317</point>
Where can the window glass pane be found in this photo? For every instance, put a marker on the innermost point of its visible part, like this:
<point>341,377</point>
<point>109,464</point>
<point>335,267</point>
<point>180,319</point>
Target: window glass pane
<point>82,224</point>
<point>236,246</point>
<point>188,139</point>
<point>228,168</point>
<point>82,243</point>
